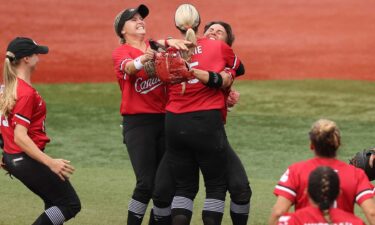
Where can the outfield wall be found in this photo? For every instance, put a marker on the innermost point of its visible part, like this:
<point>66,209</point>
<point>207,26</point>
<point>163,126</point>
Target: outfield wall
<point>289,39</point>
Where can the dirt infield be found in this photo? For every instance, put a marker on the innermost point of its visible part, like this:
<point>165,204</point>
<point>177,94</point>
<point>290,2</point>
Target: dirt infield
<point>289,39</point>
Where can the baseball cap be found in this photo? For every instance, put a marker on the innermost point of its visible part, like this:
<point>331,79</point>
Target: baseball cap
<point>22,46</point>
<point>126,15</point>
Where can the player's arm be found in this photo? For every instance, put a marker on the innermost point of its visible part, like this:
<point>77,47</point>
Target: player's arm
<point>368,208</point>
<point>212,79</point>
<point>179,44</point>
<point>281,206</point>
<point>59,166</point>
<point>240,70</point>
<point>133,66</point>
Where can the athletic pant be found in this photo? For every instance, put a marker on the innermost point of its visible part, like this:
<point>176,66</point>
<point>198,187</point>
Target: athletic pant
<point>196,141</point>
<point>145,141</point>
<point>60,199</point>
<point>237,184</point>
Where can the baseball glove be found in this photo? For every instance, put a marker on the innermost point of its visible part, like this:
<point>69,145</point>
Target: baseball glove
<point>170,67</point>
<point>361,160</point>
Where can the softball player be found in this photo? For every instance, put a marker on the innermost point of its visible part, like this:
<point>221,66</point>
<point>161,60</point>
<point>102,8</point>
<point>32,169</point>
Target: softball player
<point>237,181</point>
<point>323,189</point>
<point>325,140</point>
<point>142,105</point>
<point>195,132</point>
<point>23,129</point>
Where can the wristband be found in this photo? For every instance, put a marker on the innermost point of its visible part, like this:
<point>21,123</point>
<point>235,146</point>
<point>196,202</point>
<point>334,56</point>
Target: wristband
<point>137,63</point>
<point>215,80</point>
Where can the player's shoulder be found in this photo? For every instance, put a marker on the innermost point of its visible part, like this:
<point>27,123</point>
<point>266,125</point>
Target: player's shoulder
<point>300,164</point>
<point>212,42</point>
<point>342,214</point>
<point>24,89</point>
<point>122,49</point>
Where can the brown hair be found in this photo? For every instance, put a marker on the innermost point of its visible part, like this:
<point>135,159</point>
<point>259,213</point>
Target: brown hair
<point>228,30</point>
<point>326,138</point>
<point>323,189</point>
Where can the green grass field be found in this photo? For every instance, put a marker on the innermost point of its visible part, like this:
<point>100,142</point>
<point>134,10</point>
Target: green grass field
<point>268,129</point>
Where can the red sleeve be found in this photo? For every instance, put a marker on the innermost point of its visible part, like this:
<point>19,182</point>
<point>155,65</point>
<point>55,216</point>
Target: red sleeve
<point>23,110</point>
<point>365,190</point>
<point>230,58</point>
<point>120,58</point>
<point>287,185</point>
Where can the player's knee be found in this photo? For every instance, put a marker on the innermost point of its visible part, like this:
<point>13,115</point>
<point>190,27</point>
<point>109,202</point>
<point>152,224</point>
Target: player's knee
<point>143,193</point>
<point>72,209</point>
<point>75,208</point>
<point>241,195</point>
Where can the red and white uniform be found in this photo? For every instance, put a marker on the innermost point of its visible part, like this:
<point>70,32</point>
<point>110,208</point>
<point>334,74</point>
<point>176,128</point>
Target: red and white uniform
<point>140,94</point>
<point>354,184</point>
<point>313,216</point>
<point>28,111</point>
<point>209,55</point>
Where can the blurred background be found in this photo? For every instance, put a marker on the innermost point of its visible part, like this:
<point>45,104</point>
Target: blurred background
<point>289,39</point>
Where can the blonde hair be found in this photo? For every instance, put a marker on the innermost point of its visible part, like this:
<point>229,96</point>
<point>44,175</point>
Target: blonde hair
<point>326,138</point>
<point>187,20</point>
<point>9,92</point>
<point>116,24</point>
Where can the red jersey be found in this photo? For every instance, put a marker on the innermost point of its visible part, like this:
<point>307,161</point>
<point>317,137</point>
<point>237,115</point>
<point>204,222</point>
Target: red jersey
<point>209,55</point>
<point>354,184</point>
<point>28,111</point>
<point>140,94</point>
<point>313,216</point>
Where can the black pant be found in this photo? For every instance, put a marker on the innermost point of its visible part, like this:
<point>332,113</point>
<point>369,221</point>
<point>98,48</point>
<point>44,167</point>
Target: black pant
<point>237,181</point>
<point>145,141</point>
<point>44,183</point>
<point>196,141</point>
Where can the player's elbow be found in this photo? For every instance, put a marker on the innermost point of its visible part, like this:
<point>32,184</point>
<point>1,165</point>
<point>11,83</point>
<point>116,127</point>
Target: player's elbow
<point>368,207</point>
<point>370,215</point>
<point>275,215</point>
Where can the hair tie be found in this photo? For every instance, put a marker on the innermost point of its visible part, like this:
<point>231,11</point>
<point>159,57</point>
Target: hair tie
<point>10,56</point>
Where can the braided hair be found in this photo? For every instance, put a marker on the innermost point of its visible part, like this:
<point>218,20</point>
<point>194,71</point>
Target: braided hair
<point>323,189</point>
<point>326,138</point>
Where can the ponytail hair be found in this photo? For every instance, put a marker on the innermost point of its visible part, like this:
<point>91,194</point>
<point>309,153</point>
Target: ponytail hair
<point>9,92</point>
<point>323,189</point>
<point>326,138</point>
<point>187,21</point>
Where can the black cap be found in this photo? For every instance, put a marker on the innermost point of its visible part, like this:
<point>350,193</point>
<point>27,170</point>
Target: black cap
<point>127,14</point>
<point>22,46</point>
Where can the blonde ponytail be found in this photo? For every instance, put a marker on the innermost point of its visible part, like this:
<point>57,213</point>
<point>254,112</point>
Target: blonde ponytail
<point>9,92</point>
<point>187,20</point>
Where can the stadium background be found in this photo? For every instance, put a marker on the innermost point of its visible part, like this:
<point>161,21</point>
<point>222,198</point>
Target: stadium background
<point>289,39</point>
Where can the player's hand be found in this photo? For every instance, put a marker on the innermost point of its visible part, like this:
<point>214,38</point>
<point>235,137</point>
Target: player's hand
<point>227,79</point>
<point>371,160</point>
<point>180,44</point>
<point>62,168</point>
<point>2,164</point>
<point>233,98</point>
<point>149,55</point>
